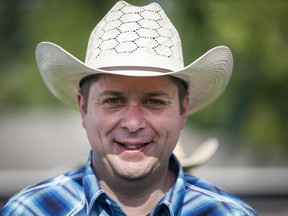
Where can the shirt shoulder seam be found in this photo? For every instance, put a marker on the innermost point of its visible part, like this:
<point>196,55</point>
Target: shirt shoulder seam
<point>219,197</point>
<point>54,182</point>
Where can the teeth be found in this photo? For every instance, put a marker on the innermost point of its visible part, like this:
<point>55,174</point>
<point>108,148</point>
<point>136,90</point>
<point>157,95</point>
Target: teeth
<point>133,146</point>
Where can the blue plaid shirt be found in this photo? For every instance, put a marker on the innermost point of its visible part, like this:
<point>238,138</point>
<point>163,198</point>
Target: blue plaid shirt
<point>79,193</point>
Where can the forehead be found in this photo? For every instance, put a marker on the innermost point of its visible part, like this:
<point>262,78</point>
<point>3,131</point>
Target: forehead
<point>133,83</point>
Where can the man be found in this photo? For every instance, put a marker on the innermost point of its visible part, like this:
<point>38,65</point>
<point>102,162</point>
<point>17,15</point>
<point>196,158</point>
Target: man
<point>134,95</point>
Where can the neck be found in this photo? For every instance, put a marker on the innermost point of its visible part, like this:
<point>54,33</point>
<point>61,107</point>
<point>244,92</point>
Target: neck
<point>137,197</point>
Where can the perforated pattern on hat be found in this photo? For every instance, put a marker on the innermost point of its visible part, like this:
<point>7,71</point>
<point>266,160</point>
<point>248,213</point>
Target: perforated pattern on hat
<point>140,37</point>
<point>145,34</point>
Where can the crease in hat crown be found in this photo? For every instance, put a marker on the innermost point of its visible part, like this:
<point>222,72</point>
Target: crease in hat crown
<point>135,36</point>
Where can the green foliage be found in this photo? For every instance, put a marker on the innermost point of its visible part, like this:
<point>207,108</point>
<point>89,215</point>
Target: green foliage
<point>255,104</point>
<point>253,107</point>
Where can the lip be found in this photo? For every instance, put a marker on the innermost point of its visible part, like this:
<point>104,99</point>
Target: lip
<point>132,146</point>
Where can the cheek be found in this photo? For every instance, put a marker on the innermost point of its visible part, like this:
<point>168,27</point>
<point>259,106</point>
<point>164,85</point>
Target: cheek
<point>93,121</point>
<point>96,130</point>
<point>97,122</point>
<point>167,126</point>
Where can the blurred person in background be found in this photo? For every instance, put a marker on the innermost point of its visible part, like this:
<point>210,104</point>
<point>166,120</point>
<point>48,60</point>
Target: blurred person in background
<point>134,95</point>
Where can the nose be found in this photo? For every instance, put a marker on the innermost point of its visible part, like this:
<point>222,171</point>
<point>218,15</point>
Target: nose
<point>133,119</point>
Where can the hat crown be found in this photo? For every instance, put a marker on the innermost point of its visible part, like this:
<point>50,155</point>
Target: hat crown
<point>135,36</point>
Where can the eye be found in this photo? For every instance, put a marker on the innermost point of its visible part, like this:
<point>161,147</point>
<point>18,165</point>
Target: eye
<point>114,102</point>
<point>154,103</point>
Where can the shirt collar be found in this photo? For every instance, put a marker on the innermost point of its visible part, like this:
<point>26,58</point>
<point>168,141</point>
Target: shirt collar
<point>92,187</point>
<point>173,199</point>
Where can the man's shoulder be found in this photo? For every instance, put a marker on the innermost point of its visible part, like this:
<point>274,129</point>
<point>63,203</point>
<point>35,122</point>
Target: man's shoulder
<point>59,193</point>
<point>71,179</point>
<point>214,199</point>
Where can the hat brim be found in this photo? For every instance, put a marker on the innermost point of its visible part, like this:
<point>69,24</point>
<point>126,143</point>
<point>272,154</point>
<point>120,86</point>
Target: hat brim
<point>207,76</point>
<point>203,153</point>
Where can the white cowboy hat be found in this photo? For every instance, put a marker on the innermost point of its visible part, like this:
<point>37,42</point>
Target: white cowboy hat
<point>135,41</point>
<point>204,152</point>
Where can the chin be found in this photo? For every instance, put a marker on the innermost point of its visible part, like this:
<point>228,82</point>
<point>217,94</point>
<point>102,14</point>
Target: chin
<point>134,173</point>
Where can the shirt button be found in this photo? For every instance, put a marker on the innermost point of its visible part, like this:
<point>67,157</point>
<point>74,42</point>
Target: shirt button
<point>108,201</point>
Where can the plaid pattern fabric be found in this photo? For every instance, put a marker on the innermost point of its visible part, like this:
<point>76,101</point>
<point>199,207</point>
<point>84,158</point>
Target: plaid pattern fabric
<point>79,193</point>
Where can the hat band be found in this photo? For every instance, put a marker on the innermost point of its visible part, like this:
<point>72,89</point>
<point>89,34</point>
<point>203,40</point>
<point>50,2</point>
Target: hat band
<point>126,68</point>
<point>136,68</point>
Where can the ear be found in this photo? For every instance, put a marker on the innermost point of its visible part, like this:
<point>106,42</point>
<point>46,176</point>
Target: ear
<point>82,109</point>
<point>185,109</point>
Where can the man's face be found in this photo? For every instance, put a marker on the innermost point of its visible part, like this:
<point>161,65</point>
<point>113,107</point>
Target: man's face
<point>133,124</point>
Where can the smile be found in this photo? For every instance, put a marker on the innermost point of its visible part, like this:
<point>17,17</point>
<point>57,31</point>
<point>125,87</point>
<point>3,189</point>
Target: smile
<point>128,146</point>
<point>132,146</point>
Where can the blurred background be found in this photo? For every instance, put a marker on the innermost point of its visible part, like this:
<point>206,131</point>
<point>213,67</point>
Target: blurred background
<point>40,137</point>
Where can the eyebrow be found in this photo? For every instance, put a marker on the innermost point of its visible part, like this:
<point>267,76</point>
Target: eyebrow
<point>121,94</point>
<point>157,94</point>
<point>111,93</point>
